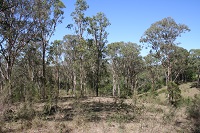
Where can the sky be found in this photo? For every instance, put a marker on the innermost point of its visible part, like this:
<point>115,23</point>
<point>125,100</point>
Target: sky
<point>131,18</point>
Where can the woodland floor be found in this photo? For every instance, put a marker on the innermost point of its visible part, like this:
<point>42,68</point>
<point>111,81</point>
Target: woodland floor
<point>107,115</point>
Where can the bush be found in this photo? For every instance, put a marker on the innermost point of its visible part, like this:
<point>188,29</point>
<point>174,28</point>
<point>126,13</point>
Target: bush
<point>8,115</point>
<point>174,94</point>
<point>50,109</point>
<point>193,112</point>
<point>26,113</point>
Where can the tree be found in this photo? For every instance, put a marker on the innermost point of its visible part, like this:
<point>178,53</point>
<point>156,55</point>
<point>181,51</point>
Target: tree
<point>114,53</point>
<point>70,44</point>
<point>152,65</point>
<point>79,17</point>
<point>133,66</point>
<point>81,23</point>
<point>97,29</point>
<point>16,30</point>
<point>195,61</point>
<point>126,65</point>
<point>27,71</point>
<point>47,20</point>
<point>179,61</point>
<point>161,37</point>
<point>55,57</point>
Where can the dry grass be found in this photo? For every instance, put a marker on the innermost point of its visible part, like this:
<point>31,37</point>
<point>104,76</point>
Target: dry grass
<point>104,114</point>
<point>188,91</point>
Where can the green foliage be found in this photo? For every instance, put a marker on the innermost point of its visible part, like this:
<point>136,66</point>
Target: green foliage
<point>195,64</point>
<point>194,108</point>
<point>25,92</point>
<point>193,112</point>
<point>106,90</point>
<point>174,93</point>
<point>161,37</point>
<point>126,93</point>
<point>186,101</point>
<point>162,34</point>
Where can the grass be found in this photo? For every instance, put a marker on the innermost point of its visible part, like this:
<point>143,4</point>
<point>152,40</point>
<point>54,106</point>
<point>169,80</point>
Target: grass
<point>104,114</point>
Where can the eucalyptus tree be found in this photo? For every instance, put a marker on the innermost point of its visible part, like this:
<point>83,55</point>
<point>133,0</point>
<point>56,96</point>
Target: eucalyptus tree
<point>152,66</point>
<point>97,29</point>
<point>27,72</point>
<point>55,53</point>
<point>70,44</point>
<point>180,60</point>
<point>79,17</point>
<point>126,64</point>
<point>195,61</point>
<point>16,30</point>
<point>80,25</point>
<point>161,37</point>
<point>113,51</point>
<point>133,66</point>
<point>47,20</point>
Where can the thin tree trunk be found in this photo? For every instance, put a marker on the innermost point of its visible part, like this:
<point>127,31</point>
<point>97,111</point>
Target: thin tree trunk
<point>114,81</point>
<point>58,86</point>
<point>135,91</point>
<point>97,85</point>
<point>168,77</point>
<point>81,77</point>
<point>74,83</point>
<point>30,71</point>
<point>152,80</point>
<point>97,75</point>
<point>9,72</point>
<point>118,88</point>
<point>114,85</point>
<point>43,71</point>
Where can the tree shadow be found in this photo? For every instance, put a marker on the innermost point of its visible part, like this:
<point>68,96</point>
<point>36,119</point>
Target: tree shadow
<point>195,85</point>
<point>93,111</point>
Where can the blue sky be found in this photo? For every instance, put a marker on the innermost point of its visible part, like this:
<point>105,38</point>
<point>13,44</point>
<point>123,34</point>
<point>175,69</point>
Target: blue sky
<point>131,18</point>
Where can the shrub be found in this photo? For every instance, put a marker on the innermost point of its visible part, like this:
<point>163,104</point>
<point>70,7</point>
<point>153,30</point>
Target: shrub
<point>193,112</point>
<point>8,115</point>
<point>49,109</point>
<point>26,113</point>
<point>174,94</point>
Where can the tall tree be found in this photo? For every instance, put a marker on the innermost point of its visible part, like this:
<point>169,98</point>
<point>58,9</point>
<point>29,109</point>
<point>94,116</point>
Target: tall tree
<point>114,53</point>
<point>80,26</point>
<point>195,61</point>
<point>161,37</point>
<point>97,29</point>
<point>70,44</point>
<point>16,30</point>
<point>126,65</point>
<point>47,20</point>
<point>133,66</point>
<point>179,61</point>
<point>153,69</point>
<point>55,53</point>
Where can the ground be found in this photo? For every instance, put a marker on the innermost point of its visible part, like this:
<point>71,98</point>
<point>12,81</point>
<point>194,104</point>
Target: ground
<point>105,114</point>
